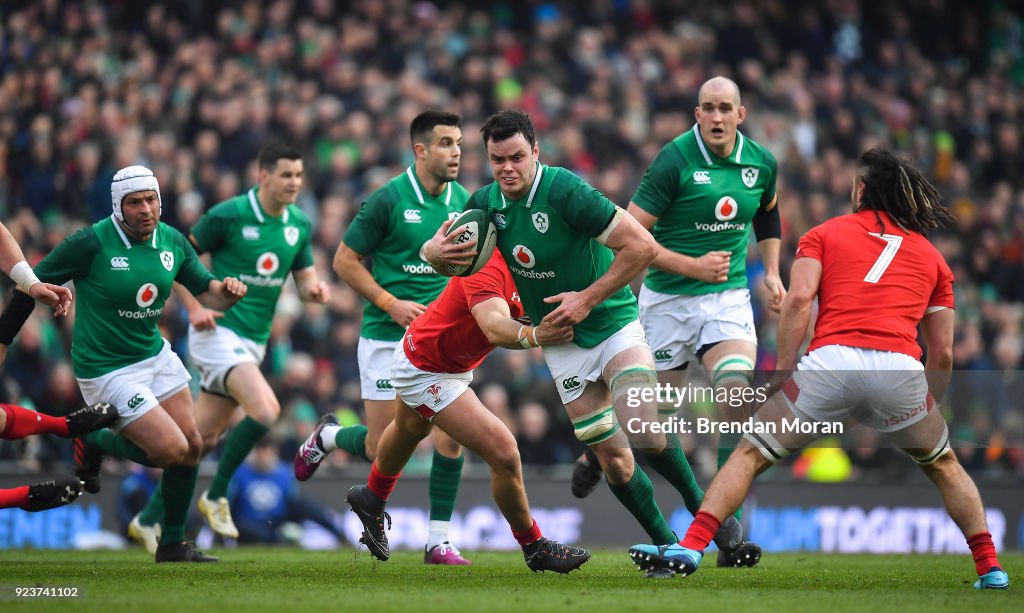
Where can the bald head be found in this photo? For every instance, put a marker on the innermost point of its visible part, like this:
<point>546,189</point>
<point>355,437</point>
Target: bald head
<point>719,85</point>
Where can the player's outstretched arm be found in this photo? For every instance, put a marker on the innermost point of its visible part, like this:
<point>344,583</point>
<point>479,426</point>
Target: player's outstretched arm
<point>804,280</point>
<point>634,249</point>
<point>348,264</point>
<point>937,330</point>
<point>495,320</point>
<point>441,251</point>
<point>311,288</point>
<point>222,295</point>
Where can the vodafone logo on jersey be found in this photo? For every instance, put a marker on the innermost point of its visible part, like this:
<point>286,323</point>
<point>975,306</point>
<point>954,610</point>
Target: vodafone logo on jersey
<point>267,264</point>
<point>146,295</point>
<point>523,256</point>
<point>726,208</point>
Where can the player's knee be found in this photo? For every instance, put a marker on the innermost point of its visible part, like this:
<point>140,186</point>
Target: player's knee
<point>596,427</point>
<point>618,464</point>
<point>505,456</point>
<point>267,411</point>
<point>171,453</point>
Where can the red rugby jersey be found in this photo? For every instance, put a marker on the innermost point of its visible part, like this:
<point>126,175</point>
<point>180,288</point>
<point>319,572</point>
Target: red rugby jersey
<point>875,284</point>
<point>446,338</point>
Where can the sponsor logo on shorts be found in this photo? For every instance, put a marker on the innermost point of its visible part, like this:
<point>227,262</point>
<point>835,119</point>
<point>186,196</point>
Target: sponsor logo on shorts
<point>267,264</point>
<point>384,384</point>
<point>702,177</point>
<point>413,216</point>
<point>435,391</point>
<point>663,355</point>
<point>119,262</point>
<point>135,401</point>
<point>571,383</point>
<point>897,420</point>
<point>726,208</point>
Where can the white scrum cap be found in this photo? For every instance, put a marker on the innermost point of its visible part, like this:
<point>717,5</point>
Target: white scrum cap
<point>128,181</point>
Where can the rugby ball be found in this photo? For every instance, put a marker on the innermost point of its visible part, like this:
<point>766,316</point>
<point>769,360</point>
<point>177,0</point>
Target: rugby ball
<point>479,227</point>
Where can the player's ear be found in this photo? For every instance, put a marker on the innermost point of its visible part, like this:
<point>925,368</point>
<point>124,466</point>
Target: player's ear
<point>741,114</point>
<point>419,150</point>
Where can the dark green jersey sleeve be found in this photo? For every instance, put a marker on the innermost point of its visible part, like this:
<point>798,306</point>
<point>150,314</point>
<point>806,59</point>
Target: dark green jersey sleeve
<point>304,258</point>
<point>478,200</point>
<point>769,189</point>
<point>372,222</point>
<point>212,228</point>
<point>658,189</point>
<point>583,207</point>
<point>192,274</point>
<point>72,258</point>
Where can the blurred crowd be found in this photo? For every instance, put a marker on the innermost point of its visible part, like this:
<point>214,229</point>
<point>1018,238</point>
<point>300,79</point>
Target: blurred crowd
<point>193,88</point>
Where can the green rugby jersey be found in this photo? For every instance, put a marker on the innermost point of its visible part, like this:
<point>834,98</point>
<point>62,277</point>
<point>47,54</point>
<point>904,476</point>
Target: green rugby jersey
<point>392,226</point>
<point>705,203</point>
<point>547,240</point>
<point>120,289</point>
<point>260,250</point>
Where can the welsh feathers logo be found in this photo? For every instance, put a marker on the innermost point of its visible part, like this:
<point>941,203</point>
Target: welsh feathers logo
<point>291,235</point>
<point>146,295</point>
<point>523,256</point>
<point>435,391</point>
<point>167,259</point>
<point>267,263</point>
<point>749,176</point>
<point>726,209</point>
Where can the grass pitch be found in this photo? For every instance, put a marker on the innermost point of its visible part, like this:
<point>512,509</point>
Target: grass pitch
<point>289,579</point>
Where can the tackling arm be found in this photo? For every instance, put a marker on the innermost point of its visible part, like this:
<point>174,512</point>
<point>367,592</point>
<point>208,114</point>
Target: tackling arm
<point>495,320</point>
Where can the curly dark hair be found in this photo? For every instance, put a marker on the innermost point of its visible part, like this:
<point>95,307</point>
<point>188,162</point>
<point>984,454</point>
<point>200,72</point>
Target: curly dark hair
<point>892,185</point>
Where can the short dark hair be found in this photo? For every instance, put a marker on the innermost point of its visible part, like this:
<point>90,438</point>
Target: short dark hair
<point>273,152</point>
<point>894,186</point>
<point>422,127</point>
<point>503,125</point>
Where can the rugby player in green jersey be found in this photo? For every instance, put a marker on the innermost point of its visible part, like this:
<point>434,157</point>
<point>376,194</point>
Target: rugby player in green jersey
<point>392,226</point>
<point>572,253</point>
<point>123,268</point>
<point>261,237</point>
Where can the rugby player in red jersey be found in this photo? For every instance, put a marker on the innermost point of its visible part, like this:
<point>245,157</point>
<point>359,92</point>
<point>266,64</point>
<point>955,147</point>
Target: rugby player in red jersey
<point>433,367</point>
<point>876,277</point>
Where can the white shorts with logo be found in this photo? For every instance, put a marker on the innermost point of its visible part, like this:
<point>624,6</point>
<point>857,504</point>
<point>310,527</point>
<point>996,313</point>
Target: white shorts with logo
<point>881,389</point>
<point>573,367</point>
<point>678,326</point>
<point>215,352</point>
<point>428,393</point>
<point>375,360</point>
<point>137,388</point>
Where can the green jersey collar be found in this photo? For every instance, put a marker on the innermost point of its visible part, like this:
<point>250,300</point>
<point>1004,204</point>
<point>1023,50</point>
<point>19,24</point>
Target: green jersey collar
<point>415,182</point>
<point>737,153</point>
<point>533,188</point>
<point>124,237</point>
<point>257,210</point>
